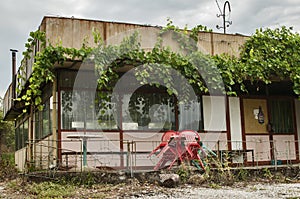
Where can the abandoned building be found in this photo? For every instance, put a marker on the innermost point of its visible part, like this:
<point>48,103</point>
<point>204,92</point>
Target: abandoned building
<point>68,133</point>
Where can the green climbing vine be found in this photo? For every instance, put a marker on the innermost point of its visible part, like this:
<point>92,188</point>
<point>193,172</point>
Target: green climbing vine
<point>269,55</point>
<point>161,62</point>
<point>265,55</point>
<point>42,69</point>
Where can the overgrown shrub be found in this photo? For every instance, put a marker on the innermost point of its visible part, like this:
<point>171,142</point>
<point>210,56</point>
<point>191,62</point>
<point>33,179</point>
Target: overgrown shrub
<point>7,167</point>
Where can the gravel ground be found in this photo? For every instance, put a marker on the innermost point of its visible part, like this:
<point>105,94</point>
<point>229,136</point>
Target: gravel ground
<point>261,191</point>
<point>242,190</point>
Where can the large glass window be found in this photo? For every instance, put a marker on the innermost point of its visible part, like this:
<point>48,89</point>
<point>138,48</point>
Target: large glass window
<point>46,118</point>
<point>37,131</point>
<point>25,133</point>
<point>84,109</point>
<point>43,121</point>
<point>281,116</point>
<point>106,112</point>
<point>148,111</point>
<point>21,135</point>
<point>17,138</point>
<point>148,108</point>
<point>190,115</point>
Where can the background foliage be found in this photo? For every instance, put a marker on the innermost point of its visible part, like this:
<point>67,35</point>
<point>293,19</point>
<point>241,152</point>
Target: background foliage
<point>7,134</point>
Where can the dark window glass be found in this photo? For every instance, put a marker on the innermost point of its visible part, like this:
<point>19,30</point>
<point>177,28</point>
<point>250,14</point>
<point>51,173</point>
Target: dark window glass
<point>46,121</point>
<point>17,138</point>
<point>21,136</point>
<point>25,134</point>
<point>43,121</point>
<point>281,117</point>
<point>37,125</point>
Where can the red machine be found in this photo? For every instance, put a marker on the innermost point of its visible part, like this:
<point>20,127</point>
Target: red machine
<point>178,146</point>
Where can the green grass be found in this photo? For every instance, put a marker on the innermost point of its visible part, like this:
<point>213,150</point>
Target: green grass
<point>51,190</point>
<point>9,158</point>
<point>7,166</point>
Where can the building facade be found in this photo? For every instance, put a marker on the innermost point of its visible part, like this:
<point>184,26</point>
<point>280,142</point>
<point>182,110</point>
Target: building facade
<point>70,132</point>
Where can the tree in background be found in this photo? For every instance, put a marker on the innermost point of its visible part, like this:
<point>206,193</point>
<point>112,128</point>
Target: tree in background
<point>7,135</point>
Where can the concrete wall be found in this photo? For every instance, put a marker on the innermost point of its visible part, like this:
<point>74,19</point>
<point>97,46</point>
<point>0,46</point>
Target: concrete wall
<point>73,32</point>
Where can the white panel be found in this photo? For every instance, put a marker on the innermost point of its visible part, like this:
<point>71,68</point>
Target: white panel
<point>235,123</point>
<point>20,159</point>
<point>297,110</point>
<point>214,113</point>
<point>214,140</point>
<point>261,146</point>
<point>284,147</point>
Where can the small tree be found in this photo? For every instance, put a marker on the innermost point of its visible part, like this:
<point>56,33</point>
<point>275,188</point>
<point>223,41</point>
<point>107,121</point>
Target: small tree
<point>6,133</point>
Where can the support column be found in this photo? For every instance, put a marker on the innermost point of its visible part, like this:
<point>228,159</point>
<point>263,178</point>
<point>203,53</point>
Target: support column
<point>54,123</point>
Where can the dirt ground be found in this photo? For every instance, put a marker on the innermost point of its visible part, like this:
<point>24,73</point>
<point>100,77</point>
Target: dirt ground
<point>135,190</point>
<point>261,191</point>
<point>262,184</point>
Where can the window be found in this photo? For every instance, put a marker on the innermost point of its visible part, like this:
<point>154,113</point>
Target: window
<point>46,119</point>
<point>21,135</point>
<point>148,111</point>
<point>25,133</point>
<point>17,138</point>
<point>37,131</point>
<point>84,109</point>
<point>43,121</point>
<point>105,112</point>
<point>281,116</point>
<point>148,108</point>
<point>190,115</point>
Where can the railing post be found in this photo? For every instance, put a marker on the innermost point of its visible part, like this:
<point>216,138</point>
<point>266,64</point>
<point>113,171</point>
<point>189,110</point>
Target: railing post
<point>288,153</point>
<point>218,150</point>
<point>275,154</point>
<point>127,157</point>
<point>81,154</point>
<point>256,154</point>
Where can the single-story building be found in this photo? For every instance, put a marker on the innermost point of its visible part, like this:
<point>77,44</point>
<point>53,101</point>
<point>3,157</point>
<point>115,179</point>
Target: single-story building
<point>74,128</point>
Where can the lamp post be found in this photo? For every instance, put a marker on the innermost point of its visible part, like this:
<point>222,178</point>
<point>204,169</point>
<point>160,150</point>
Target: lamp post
<point>223,14</point>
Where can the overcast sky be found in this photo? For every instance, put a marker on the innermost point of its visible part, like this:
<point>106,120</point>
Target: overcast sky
<point>19,17</point>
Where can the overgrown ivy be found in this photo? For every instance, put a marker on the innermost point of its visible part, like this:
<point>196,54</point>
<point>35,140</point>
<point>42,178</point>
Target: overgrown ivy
<point>266,55</point>
<point>42,69</point>
<point>269,55</point>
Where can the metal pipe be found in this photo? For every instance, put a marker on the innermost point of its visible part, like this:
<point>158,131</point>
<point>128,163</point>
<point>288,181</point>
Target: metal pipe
<point>13,53</point>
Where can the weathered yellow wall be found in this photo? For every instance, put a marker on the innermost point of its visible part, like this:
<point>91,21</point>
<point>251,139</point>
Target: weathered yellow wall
<point>72,32</point>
